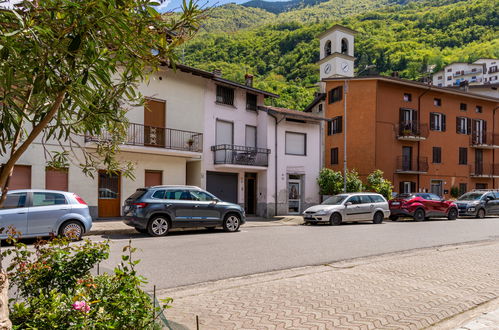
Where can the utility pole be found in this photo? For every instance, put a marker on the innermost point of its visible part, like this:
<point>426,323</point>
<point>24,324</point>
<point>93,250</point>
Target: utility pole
<point>345,168</point>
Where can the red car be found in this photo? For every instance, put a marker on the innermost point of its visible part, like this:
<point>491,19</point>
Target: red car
<point>421,206</point>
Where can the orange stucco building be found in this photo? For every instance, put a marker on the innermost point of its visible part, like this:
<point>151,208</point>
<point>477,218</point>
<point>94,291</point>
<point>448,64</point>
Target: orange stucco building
<point>423,138</point>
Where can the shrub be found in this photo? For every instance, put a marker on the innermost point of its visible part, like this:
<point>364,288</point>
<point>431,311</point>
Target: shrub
<point>454,192</point>
<point>354,183</point>
<point>55,289</point>
<point>376,183</point>
<point>330,182</point>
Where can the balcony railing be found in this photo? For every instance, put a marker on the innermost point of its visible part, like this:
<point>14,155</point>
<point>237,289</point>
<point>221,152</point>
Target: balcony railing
<point>480,170</point>
<point>157,137</point>
<point>484,140</point>
<point>240,155</point>
<point>412,131</point>
<point>467,72</point>
<point>412,165</point>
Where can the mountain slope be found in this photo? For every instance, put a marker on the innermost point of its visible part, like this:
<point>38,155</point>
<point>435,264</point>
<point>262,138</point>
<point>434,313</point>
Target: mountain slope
<point>404,38</point>
<point>278,7</point>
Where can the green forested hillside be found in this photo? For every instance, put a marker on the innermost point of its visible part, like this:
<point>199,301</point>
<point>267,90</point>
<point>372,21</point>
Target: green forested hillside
<point>403,37</point>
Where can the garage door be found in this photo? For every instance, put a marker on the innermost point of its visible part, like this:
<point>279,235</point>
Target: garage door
<point>21,177</point>
<point>56,179</point>
<point>222,185</point>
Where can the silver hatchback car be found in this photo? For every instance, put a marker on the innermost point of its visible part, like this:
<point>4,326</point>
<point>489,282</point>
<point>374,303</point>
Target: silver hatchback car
<point>349,207</point>
<point>36,213</point>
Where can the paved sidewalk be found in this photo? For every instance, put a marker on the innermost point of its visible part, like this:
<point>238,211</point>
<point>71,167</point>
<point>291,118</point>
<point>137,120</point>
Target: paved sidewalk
<point>116,226</point>
<point>429,288</point>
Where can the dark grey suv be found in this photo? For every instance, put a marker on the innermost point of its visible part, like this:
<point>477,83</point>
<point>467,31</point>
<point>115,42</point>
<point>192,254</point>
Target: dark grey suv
<point>155,210</point>
<point>479,203</point>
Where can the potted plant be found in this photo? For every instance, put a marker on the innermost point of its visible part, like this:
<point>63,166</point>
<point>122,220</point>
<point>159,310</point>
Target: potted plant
<point>190,143</point>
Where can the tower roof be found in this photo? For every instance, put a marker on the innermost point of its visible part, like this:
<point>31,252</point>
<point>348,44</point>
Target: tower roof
<point>337,27</point>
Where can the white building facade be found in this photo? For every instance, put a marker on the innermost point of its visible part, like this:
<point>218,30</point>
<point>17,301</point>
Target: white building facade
<point>481,72</point>
<point>196,128</point>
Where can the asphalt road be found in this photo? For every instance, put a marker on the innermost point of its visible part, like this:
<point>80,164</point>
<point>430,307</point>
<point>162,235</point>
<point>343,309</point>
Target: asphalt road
<point>185,258</point>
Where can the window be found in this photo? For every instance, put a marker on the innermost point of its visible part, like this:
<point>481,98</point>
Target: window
<point>463,125</point>
<point>354,200</point>
<point>225,95</point>
<point>365,199</point>
<point>48,199</point>
<point>153,178</point>
<point>344,46</point>
<point>440,77</point>
<point>463,156</point>
<point>463,107</point>
<point>473,70</point>
<point>14,201</point>
<point>437,155</point>
<point>174,194</point>
<point>335,94</point>
<point>377,199</point>
<point>336,125</point>
<point>449,70</point>
<point>327,48</point>
<point>201,196</point>
<point>478,109</point>
<point>160,194</point>
<point>250,136</point>
<point>463,188</point>
<point>437,102</point>
<point>434,197</point>
<point>493,69</point>
<point>407,187</point>
<point>449,78</point>
<point>481,186</point>
<point>296,144</point>
<point>251,100</point>
<point>437,121</point>
<point>319,108</point>
<point>334,156</point>
<point>407,97</point>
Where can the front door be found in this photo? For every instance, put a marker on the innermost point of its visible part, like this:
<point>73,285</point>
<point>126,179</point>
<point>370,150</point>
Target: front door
<point>109,194</point>
<point>294,195</point>
<point>353,211</point>
<point>479,128</point>
<point>407,158</point>
<point>250,193</point>
<point>154,123</point>
<point>436,187</point>
<point>14,213</point>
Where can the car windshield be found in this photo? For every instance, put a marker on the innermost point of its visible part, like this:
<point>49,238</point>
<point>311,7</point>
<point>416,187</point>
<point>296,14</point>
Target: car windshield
<point>470,197</point>
<point>404,196</point>
<point>334,200</point>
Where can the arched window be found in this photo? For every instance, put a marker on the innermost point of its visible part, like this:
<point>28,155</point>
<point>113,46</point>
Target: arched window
<point>327,48</point>
<point>344,46</point>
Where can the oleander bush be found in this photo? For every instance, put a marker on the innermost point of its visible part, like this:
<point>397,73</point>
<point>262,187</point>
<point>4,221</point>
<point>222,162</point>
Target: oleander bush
<point>55,288</point>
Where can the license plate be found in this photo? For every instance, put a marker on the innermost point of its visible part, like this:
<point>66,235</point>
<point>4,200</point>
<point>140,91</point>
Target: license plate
<point>395,203</point>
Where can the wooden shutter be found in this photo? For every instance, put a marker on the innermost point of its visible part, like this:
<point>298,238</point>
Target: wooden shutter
<point>56,179</point>
<point>153,178</point>
<point>432,121</point>
<point>458,125</point>
<point>468,121</point>
<point>329,127</point>
<point>401,187</point>
<point>413,187</point>
<point>443,123</point>
<point>340,124</point>
<point>484,128</point>
<point>21,177</point>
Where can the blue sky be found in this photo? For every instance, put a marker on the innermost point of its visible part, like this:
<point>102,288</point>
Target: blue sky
<point>170,5</point>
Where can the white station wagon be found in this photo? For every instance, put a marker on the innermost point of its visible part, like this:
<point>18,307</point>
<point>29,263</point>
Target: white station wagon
<point>347,208</point>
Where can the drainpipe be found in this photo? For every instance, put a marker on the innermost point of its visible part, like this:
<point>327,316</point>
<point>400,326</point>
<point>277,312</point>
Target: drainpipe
<point>419,142</point>
<point>493,141</point>
<point>275,159</point>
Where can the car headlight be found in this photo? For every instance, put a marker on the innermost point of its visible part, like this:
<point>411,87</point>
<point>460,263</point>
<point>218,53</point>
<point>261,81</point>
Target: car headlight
<point>321,212</point>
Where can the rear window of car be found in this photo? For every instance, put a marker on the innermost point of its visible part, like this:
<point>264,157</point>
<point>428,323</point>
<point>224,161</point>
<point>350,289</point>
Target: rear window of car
<point>137,194</point>
<point>160,194</point>
<point>48,199</point>
<point>14,201</point>
<point>377,198</point>
<point>405,196</point>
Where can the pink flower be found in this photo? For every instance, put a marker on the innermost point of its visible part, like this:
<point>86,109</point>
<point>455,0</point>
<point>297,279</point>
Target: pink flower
<point>81,306</point>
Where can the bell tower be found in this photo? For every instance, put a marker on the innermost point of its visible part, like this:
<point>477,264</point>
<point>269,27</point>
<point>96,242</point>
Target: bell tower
<point>337,52</point>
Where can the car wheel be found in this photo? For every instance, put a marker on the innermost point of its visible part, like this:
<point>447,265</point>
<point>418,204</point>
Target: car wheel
<point>419,215</point>
<point>452,215</point>
<point>480,214</point>
<point>394,217</point>
<point>72,230</point>
<point>141,230</point>
<point>335,219</point>
<point>158,226</point>
<point>378,218</point>
<point>231,223</point>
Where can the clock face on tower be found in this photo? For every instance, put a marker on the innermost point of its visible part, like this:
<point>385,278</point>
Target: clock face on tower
<point>327,68</point>
<point>345,67</point>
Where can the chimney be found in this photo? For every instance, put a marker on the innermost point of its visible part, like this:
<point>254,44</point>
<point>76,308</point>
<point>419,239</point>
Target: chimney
<point>248,78</point>
<point>464,85</point>
<point>395,74</point>
<point>217,73</point>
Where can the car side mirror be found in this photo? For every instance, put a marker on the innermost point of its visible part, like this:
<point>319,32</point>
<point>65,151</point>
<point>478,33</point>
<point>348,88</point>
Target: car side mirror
<point>348,203</point>
<point>215,200</point>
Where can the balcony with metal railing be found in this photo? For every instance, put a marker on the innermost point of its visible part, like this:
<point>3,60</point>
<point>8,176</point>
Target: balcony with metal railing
<point>407,165</point>
<point>467,72</point>
<point>484,140</point>
<point>229,154</point>
<point>412,131</point>
<point>480,170</point>
<point>156,137</point>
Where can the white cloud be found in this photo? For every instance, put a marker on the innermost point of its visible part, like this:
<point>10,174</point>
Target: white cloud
<point>163,6</point>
